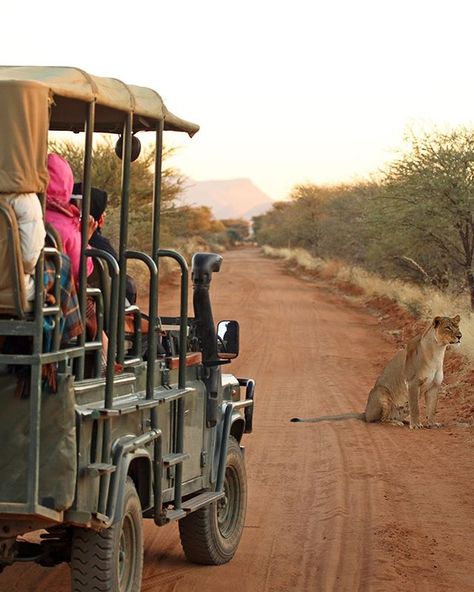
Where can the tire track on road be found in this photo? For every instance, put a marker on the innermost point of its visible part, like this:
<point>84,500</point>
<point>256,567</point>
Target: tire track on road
<point>333,507</point>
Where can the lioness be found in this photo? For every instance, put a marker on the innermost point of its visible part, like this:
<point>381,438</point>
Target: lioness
<point>413,372</point>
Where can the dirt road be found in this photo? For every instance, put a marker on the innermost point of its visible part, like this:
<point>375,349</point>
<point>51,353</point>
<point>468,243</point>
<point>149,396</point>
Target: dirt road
<point>340,506</point>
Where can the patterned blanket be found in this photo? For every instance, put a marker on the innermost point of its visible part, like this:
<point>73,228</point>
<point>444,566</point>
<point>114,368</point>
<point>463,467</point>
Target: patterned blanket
<point>71,322</point>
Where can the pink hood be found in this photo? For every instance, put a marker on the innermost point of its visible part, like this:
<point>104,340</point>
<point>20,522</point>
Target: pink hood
<point>61,214</point>
<point>61,179</point>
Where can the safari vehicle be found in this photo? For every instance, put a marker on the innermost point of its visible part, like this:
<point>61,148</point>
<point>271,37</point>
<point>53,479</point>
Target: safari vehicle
<point>84,463</point>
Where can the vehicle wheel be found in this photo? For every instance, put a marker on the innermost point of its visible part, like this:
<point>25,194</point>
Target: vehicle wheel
<point>212,534</point>
<point>110,560</point>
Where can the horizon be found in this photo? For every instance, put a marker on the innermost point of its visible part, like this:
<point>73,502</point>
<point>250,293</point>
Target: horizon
<point>284,94</point>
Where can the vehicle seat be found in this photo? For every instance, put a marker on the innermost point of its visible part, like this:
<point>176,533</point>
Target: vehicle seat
<point>53,239</point>
<point>100,278</point>
<point>12,287</point>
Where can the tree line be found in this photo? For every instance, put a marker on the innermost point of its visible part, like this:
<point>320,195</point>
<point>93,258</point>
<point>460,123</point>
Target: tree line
<point>412,220</point>
<point>181,224</point>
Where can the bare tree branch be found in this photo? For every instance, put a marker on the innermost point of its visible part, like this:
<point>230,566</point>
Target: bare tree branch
<point>416,266</point>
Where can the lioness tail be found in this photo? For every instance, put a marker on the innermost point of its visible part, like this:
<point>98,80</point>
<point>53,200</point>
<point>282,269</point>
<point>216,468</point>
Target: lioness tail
<point>360,416</point>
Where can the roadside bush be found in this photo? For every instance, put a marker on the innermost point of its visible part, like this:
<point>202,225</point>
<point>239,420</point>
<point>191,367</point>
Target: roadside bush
<point>412,222</point>
<point>422,302</point>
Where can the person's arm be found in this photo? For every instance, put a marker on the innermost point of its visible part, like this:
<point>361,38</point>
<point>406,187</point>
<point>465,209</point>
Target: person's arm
<point>72,248</point>
<point>99,241</point>
<point>131,290</point>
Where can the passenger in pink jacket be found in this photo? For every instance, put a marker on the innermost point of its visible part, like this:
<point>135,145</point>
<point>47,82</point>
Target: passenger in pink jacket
<point>63,215</point>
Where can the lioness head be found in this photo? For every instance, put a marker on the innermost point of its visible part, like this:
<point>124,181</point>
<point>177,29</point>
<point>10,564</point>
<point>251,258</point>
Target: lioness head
<point>447,329</point>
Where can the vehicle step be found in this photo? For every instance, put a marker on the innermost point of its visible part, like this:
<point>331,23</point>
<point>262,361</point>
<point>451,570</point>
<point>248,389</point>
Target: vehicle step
<point>173,459</point>
<point>201,500</point>
<point>90,384</point>
<point>92,345</point>
<point>171,394</point>
<point>172,515</point>
<point>96,469</point>
<point>129,362</point>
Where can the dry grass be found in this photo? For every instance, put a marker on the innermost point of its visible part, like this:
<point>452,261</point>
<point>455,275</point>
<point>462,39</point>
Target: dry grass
<point>420,302</point>
<point>403,310</point>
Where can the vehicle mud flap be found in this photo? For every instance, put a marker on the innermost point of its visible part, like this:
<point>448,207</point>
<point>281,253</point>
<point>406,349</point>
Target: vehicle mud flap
<point>58,454</point>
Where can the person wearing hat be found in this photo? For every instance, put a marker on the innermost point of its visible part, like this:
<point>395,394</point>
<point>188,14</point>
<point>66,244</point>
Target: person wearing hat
<point>63,216</point>
<point>98,206</point>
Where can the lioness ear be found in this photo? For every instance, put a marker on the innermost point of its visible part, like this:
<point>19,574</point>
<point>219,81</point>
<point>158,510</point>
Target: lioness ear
<point>436,322</point>
<point>456,319</point>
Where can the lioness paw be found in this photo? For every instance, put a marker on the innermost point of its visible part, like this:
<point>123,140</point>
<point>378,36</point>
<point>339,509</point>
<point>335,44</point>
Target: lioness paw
<point>433,424</point>
<point>416,426</point>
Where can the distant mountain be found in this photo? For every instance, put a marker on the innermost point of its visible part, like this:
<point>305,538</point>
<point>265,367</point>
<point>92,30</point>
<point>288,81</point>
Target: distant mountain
<point>234,198</point>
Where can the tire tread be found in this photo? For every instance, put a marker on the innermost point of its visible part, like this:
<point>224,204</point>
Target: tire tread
<point>94,554</point>
<point>196,531</point>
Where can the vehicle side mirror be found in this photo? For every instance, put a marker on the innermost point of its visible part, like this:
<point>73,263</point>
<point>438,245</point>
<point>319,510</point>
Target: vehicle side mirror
<point>228,340</point>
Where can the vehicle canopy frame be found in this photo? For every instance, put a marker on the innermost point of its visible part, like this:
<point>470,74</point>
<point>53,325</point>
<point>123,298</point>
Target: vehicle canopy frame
<point>33,102</point>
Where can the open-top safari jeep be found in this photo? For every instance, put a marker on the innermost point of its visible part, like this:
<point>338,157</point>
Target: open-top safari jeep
<point>160,440</point>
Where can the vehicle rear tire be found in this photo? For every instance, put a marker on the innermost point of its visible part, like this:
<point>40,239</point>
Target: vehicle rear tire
<point>110,560</point>
<point>211,535</point>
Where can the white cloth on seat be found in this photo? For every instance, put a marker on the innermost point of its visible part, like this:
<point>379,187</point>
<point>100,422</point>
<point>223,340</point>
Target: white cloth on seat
<point>29,215</point>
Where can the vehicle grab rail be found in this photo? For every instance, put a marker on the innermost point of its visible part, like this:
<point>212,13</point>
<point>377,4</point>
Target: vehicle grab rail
<point>183,329</point>
<point>152,315</point>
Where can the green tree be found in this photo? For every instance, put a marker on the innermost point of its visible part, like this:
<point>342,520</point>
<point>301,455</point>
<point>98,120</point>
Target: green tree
<point>313,219</point>
<point>275,227</point>
<point>429,198</point>
<point>307,214</point>
<point>237,230</point>
<point>344,230</point>
<point>107,174</point>
<point>195,221</point>
<point>415,221</point>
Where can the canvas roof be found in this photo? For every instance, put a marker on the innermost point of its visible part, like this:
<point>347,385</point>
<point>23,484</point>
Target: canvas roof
<point>35,99</point>
<point>110,94</point>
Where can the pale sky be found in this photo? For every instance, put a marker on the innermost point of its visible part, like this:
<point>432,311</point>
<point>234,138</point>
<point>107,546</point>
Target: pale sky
<point>285,92</point>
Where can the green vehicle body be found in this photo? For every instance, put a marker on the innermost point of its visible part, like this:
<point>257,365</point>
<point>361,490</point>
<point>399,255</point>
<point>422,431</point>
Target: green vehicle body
<point>164,424</point>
